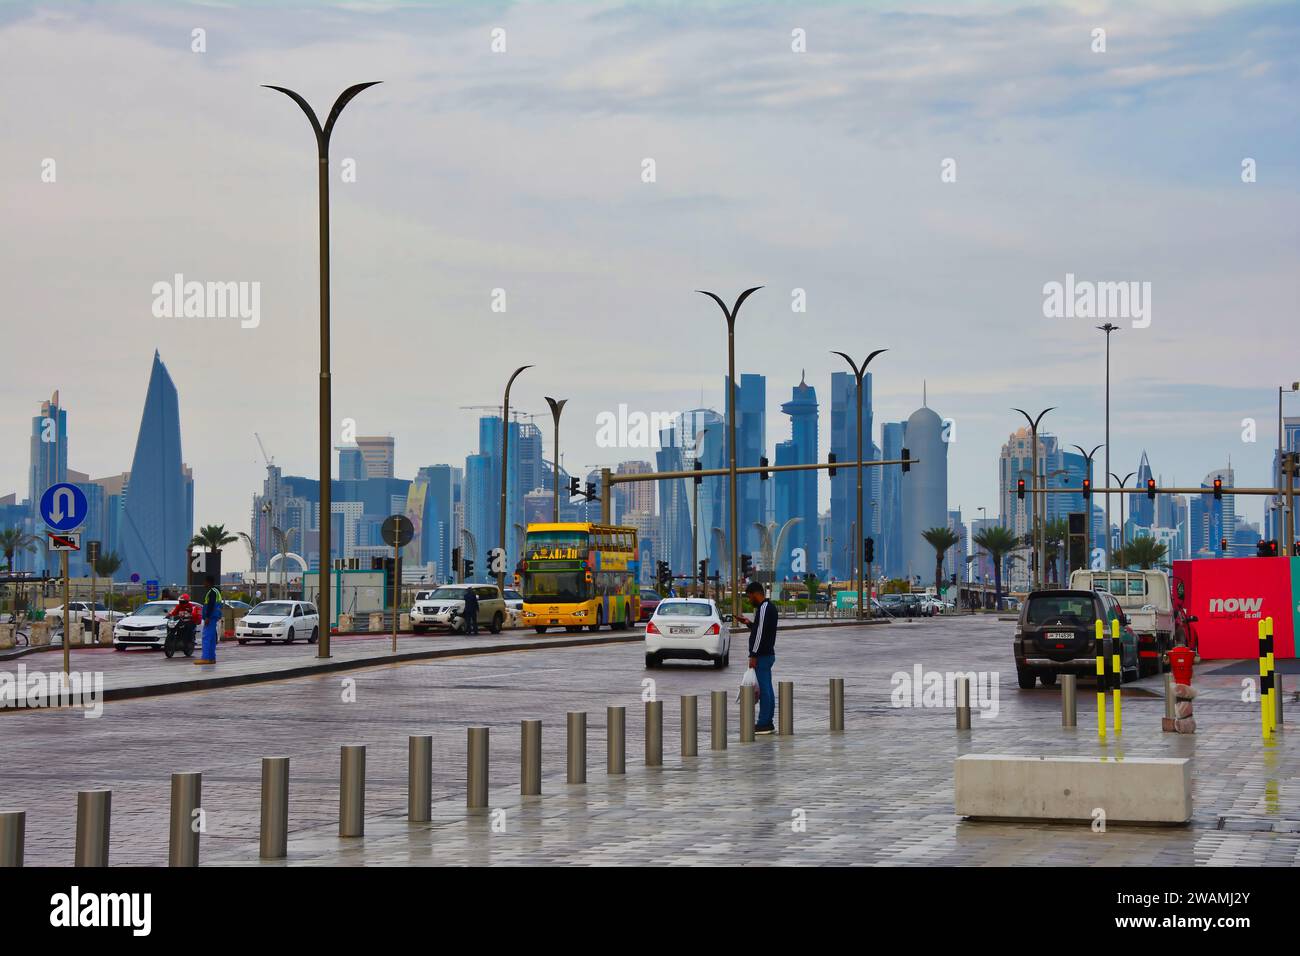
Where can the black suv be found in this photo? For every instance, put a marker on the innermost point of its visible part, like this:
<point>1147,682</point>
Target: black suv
<point>1057,635</point>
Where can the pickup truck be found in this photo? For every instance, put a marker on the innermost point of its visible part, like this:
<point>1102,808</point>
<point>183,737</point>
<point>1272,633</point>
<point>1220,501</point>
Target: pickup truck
<point>1148,603</point>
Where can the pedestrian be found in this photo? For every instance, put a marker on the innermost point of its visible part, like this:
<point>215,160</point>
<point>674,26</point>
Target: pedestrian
<point>211,621</point>
<point>762,653</point>
<point>471,611</point>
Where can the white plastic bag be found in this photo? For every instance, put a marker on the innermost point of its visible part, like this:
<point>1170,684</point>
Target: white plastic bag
<point>749,680</point>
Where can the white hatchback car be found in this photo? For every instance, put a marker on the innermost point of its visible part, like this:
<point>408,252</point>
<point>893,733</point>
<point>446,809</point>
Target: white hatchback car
<point>687,629</point>
<point>284,621</point>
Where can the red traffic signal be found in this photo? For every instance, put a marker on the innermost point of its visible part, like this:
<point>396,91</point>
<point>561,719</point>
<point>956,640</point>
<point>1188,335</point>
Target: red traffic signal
<point>1151,489</point>
<point>1087,488</point>
<point>1218,489</point>
<point>1020,489</point>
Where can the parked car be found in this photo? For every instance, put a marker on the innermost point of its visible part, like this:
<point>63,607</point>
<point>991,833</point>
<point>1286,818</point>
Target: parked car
<point>649,601</point>
<point>1056,634</point>
<point>1147,601</point>
<point>284,621</point>
<point>146,626</point>
<point>444,609</point>
<point>77,610</point>
<point>687,629</point>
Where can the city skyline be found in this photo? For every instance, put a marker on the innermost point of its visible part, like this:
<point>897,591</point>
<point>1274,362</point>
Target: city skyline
<point>948,276</point>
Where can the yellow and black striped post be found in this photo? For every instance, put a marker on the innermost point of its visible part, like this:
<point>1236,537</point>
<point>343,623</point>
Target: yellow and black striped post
<point>1101,679</point>
<point>1272,673</point>
<point>1116,669</point>
<point>1265,700</point>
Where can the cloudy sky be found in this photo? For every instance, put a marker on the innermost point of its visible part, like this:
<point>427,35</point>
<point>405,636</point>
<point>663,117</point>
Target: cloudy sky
<point>522,170</point>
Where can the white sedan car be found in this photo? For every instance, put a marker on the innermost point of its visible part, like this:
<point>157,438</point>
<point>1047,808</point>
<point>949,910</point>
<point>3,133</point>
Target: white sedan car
<point>284,621</point>
<point>146,626</point>
<point>687,629</point>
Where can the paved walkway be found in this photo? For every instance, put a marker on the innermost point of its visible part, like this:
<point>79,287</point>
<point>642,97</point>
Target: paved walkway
<point>881,793</point>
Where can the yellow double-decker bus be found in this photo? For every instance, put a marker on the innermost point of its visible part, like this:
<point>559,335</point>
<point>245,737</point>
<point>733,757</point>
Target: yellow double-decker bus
<point>578,574</point>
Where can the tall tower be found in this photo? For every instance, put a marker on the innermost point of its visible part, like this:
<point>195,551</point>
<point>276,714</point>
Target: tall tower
<point>796,491</point>
<point>925,491</point>
<point>157,520</point>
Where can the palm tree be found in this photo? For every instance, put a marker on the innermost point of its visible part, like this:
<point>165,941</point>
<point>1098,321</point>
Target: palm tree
<point>107,564</point>
<point>997,541</point>
<point>13,540</point>
<point>213,537</point>
<point>1146,552</point>
<point>941,539</point>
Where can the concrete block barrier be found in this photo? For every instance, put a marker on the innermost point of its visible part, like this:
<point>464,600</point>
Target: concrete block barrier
<point>1133,790</point>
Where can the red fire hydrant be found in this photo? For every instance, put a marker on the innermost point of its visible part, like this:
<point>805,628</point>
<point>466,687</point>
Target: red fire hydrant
<point>1178,708</point>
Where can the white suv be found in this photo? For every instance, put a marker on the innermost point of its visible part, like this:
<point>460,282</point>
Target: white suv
<point>279,621</point>
<point>444,609</point>
<point>687,629</point>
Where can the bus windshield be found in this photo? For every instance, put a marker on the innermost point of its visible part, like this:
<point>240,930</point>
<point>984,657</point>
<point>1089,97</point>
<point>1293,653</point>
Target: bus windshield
<point>556,587</point>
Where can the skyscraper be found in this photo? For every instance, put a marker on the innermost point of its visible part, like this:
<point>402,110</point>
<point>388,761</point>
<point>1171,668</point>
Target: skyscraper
<point>1143,512</point>
<point>889,549</point>
<point>751,444</point>
<point>925,490</point>
<point>379,455</point>
<point>48,465</point>
<point>795,492</point>
<point>158,519</point>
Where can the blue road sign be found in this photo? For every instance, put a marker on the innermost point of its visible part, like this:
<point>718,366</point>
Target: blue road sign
<point>151,590</point>
<point>63,507</point>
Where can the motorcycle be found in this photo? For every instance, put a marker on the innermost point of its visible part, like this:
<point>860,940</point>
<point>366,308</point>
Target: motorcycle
<point>180,636</point>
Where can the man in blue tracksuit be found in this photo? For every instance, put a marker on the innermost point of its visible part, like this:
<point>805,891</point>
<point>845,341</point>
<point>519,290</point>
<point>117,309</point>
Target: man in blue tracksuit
<point>211,622</point>
<point>762,653</point>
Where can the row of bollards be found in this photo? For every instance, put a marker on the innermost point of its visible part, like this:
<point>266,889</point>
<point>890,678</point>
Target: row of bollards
<point>94,807</point>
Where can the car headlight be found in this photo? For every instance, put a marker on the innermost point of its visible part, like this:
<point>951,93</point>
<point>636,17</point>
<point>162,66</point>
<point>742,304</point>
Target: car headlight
<point>579,613</point>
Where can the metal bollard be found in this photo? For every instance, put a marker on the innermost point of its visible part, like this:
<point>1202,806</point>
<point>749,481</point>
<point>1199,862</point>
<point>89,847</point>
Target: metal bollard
<point>530,758</point>
<point>13,824</point>
<point>690,725</point>
<point>476,769</point>
<point>187,797</point>
<point>616,740</point>
<point>747,715</point>
<point>837,705</point>
<point>94,813</point>
<point>654,733</point>
<point>352,790</point>
<point>1069,700</point>
<point>274,840</point>
<point>419,778</point>
<point>577,762</point>
<point>718,720</point>
<point>785,694</point>
<point>1171,702</point>
<point>962,689</point>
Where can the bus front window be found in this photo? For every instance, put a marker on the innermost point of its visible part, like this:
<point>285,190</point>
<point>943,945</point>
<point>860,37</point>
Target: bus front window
<point>556,587</point>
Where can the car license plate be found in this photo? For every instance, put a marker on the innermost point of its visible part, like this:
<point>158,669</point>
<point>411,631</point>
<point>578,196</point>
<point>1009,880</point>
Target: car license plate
<point>1060,635</point>
<point>681,630</point>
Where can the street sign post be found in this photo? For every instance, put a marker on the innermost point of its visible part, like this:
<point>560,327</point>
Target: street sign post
<point>92,556</point>
<point>397,531</point>
<point>63,508</point>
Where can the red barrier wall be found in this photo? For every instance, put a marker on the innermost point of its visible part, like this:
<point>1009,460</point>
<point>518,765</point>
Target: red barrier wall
<point>1229,596</point>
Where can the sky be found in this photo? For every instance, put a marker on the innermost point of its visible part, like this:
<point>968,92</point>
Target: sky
<point>471,170</point>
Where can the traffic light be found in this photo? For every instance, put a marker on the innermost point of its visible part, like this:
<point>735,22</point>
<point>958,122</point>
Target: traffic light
<point>704,569</point>
<point>1087,488</point>
<point>573,488</point>
<point>1020,488</point>
<point>591,491</point>
<point>699,466</point>
<point>746,565</point>
<point>1151,489</point>
<point>455,560</point>
<point>1218,489</point>
<point>830,459</point>
<point>907,461</point>
<point>868,550</point>
<point>1223,544</point>
<point>469,569</point>
<point>762,463</point>
<point>1295,549</point>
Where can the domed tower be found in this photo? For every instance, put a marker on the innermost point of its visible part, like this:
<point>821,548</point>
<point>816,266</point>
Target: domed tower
<point>925,492</point>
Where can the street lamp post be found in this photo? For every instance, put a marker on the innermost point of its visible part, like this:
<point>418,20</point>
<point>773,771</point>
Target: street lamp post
<point>1087,503</point>
<point>695,519</point>
<point>1108,328</point>
<point>859,371</point>
<point>1284,509</point>
<point>1122,542</point>
<point>731,315</point>
<point>557,406</point>
<point>505,472</point>
<point>323,134</point>
<point>1033,502</point>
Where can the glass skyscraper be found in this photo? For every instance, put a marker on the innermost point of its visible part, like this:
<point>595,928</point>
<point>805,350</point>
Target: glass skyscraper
<point>796,491</point>
<point>844,444</point>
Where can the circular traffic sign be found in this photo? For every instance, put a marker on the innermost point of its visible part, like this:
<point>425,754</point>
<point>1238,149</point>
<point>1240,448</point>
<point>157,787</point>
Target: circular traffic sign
<point>397,531</point>
<point>135,578</point>
<point>63,507</point>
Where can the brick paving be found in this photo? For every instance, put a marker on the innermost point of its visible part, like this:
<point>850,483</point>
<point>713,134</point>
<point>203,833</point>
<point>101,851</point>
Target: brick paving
<point>881,793</point>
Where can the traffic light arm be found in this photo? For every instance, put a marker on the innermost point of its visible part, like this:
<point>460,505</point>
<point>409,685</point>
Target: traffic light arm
<point>752,470</point>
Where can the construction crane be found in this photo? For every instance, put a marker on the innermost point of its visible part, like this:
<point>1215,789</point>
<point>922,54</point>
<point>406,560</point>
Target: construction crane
<point>515,413</point>
<point>269,460</point>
